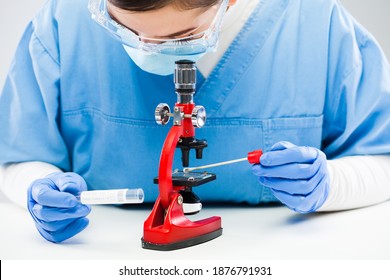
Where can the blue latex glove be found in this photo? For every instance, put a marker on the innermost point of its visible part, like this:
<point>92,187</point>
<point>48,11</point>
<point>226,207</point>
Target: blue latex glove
<point>297,176</point>
<point>52,202</point>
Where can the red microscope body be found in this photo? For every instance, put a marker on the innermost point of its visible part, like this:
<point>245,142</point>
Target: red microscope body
<point>167,227</point>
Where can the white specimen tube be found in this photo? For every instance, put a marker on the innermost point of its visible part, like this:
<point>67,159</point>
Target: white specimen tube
<point>119,196</point>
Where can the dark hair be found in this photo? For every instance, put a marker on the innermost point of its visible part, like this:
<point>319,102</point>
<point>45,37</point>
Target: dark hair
<point>149,5</point>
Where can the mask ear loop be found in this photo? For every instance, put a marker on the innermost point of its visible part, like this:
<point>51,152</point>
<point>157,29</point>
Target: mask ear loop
<point>217,22</point>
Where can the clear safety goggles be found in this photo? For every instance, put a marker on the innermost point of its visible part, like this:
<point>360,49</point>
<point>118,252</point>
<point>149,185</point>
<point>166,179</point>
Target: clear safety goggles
<point>201,42</point>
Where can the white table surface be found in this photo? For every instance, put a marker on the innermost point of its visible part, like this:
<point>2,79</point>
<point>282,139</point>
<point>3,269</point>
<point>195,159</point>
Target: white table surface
<point>272,233</point>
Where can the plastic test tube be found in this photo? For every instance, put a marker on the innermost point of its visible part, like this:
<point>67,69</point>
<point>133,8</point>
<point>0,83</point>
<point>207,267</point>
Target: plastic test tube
<point>118,196</point>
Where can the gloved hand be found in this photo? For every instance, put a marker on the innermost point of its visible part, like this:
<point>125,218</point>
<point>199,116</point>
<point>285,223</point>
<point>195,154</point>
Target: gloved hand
<point>52,202</point>
<point>297,176</point>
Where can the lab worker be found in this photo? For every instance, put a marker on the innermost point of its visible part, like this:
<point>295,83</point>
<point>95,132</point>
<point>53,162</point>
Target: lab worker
<point>302,80</point>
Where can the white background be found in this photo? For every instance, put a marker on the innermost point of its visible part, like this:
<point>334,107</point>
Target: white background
<point>15,15</point>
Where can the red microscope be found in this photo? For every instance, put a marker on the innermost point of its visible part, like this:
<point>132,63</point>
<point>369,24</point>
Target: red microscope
<point>167,227</point>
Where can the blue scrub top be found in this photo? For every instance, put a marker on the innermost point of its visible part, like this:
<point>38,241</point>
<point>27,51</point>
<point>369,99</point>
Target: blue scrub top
<point>301,71</point>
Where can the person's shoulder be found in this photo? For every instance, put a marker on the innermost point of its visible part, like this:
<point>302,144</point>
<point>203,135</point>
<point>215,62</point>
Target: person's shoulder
<point>67,4</point>
<point>58,18</point>
<point>56,14</point>
<point>314,6</point>
<point>318,3</point>
<point>317,12</point>
<point>58,10</point>
<point>311,7</point>
<point>68,8</point>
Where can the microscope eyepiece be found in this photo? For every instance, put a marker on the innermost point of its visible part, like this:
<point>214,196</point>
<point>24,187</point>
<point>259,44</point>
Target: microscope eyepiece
<point>185,77</point>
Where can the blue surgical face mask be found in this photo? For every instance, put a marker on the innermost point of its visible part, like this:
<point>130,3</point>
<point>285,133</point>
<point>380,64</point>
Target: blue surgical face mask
<point>157,63</point>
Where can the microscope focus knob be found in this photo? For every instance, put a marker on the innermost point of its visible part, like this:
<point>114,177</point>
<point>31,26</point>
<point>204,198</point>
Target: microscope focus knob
<point>161,114</point>
<point>198,116</point>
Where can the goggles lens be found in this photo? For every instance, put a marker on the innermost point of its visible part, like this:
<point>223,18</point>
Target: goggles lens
<point>202,42</point>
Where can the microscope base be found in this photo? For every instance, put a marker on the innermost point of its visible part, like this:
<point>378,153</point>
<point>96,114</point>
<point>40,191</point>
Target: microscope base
<point>169,229</point>
<point>182,244</point>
